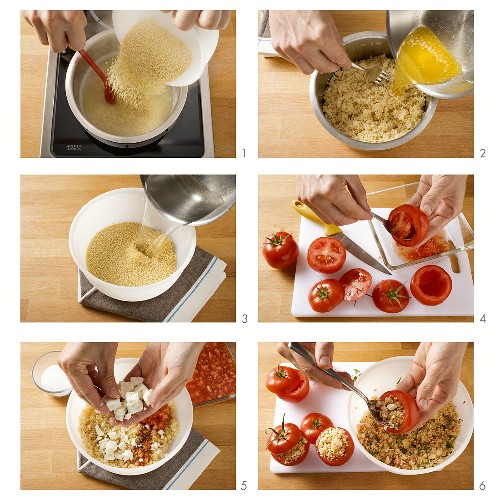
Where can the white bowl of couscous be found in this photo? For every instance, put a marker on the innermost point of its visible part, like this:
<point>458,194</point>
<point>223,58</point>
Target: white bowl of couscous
<point>121,206</point>
<point>182,412</point>
<point>384,376</point>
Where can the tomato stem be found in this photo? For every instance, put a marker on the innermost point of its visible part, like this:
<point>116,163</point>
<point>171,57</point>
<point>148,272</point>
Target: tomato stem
<point>276,240</point>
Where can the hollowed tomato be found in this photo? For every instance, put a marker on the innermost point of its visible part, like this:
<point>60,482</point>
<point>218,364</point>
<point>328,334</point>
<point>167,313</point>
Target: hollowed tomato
<point>326,255</point>
<point>325,295</point>
<point>341,459</point>
<point>356,283</point>
<point>313,424</point>
<point>288,383</point>
<point>408,225</point>
<point>411,411</point>
<point>390,296</point>
<point>431,285</point>
<point>280,250</point>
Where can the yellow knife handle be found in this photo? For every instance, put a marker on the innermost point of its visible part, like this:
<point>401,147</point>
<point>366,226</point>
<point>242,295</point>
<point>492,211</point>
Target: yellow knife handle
<point>305,211</point>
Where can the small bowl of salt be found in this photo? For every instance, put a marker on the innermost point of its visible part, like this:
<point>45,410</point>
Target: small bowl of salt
<point>49,377</point>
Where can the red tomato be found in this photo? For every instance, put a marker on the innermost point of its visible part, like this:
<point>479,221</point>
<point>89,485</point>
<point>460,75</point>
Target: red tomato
<point>338,460</point>
<point>326,255</point>
<point>356,283</point>
<point>390,296</point>
<point>288,383</point>
<point>411,415</point>
<point>300,459</point>
<point>283,437</point>
<point>313,424</point>
<point>408,225</point>
<point>280,250</point>
<point>283,380</point>
<point>431,285</point>
<point>325,295</point>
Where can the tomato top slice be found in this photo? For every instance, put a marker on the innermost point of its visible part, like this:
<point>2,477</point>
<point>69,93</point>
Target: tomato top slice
<point>356,283</point>
<point>313,424</point>
<point>282,437</point>
<point>300,392</point>
<point>408,225</point>
<point>326,255</point>
<point>283,380</point>
<point>411,411</point>
<point>431,285</point>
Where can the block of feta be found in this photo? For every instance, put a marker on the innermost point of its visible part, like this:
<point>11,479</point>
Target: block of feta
<point>131,398</point>
<point>112,404</point>
<point>136,380</point>
<point>135,407</point>
<point>147,395</point>
<point>140,389</point>
<point>125,387</point>
<point>119,413</point>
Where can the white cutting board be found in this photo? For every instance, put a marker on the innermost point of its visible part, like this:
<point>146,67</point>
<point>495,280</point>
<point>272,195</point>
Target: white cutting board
<point>333,404</point>
<point>459,302</point>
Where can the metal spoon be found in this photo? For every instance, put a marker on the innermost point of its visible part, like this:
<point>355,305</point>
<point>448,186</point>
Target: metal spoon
<point>299,349</point>
<point>108,94</point>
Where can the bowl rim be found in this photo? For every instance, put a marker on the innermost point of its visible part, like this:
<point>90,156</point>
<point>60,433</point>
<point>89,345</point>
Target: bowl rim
<point>71,99</point>
<point>409,472</point>
<point>430,107</point>
<point>134,471</point>
<point>113,286</point>
<point>62,392</point>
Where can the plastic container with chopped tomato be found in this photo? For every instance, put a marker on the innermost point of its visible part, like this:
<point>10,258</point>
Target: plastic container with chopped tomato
<point>214,379</point>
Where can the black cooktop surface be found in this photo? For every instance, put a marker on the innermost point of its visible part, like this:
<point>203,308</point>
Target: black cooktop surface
<point>184,139</point>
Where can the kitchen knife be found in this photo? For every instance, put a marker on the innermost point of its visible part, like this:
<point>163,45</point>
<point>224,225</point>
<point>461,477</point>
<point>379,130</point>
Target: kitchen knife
<point>336,232</point>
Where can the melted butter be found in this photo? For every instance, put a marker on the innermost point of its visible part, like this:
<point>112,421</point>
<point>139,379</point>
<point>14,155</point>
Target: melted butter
<point>423,59</point>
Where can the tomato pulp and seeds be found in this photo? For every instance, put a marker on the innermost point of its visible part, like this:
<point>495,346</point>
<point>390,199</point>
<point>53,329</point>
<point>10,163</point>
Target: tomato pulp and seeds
<point>215,374</point>
<point>434,246</point>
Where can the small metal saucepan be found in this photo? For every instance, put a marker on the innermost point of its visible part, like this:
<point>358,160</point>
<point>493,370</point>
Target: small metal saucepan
<point>101,47</point>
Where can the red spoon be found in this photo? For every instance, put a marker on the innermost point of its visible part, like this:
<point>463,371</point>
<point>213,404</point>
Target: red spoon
<point>109,96</point>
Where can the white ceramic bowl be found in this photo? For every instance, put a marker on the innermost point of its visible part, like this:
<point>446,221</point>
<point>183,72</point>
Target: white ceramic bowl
<point>382,377</point>
<point>126,205</point>
<point>202,43</point>
<point>183,412</point>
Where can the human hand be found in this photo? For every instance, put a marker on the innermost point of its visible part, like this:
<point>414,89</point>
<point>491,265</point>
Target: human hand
<point>208,19</point>
<point>337,199</point>
<point>322,352</point>
<point>89,366</point>
<point>166,368</point>
<point>58,28</point>
<point>441,198</point>
<point>434,376</point>
<point>309,39</point>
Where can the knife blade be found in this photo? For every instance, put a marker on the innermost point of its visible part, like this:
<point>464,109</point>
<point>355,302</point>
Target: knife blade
<point>336,232</point>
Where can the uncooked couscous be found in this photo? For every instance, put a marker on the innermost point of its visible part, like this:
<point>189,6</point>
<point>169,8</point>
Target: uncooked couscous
<point>424,447</point>
<point>149,57</point>
<point>368,112</point>
<point>139,445</point>
<point>120,254</point>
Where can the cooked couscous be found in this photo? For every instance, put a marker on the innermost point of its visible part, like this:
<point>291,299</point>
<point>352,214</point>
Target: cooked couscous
<point>136,446</point>
<point>290,456</point>
<point>368,112</point>
<point>128,254</point>
<point>332,443</point>
<point>392,412</point>
<point>425,447</point>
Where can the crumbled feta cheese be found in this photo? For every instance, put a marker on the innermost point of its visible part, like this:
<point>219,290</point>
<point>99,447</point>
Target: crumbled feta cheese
<point>127,416</point>
<point>112,404</point>
<point>99,431</point>
<point>136,380</point>
<point>155,446</point>
<point>161,432</point>
<point>147,395</point>
<point>112,435</point>
<point>135,407</point>
<point>125,387</point>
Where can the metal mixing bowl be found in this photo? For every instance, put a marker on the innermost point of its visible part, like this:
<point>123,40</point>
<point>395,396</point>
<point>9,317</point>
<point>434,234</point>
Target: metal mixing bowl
<point>101,48</point>
<point>455,29</point>
<point>191,199</point>
<point>361,46</point>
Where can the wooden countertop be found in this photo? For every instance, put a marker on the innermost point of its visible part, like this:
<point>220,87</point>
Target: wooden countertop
<point>48,456</point>
<point>456,476</point>
<point>277,191</point>
<point>289,128</point>
<point>222,77</point>
<point>49,280</point>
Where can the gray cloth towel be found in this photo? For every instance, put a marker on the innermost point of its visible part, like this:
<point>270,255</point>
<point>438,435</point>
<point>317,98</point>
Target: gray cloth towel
<point>156,309</point>
<point>155,480</point>
<point>264,31</point>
